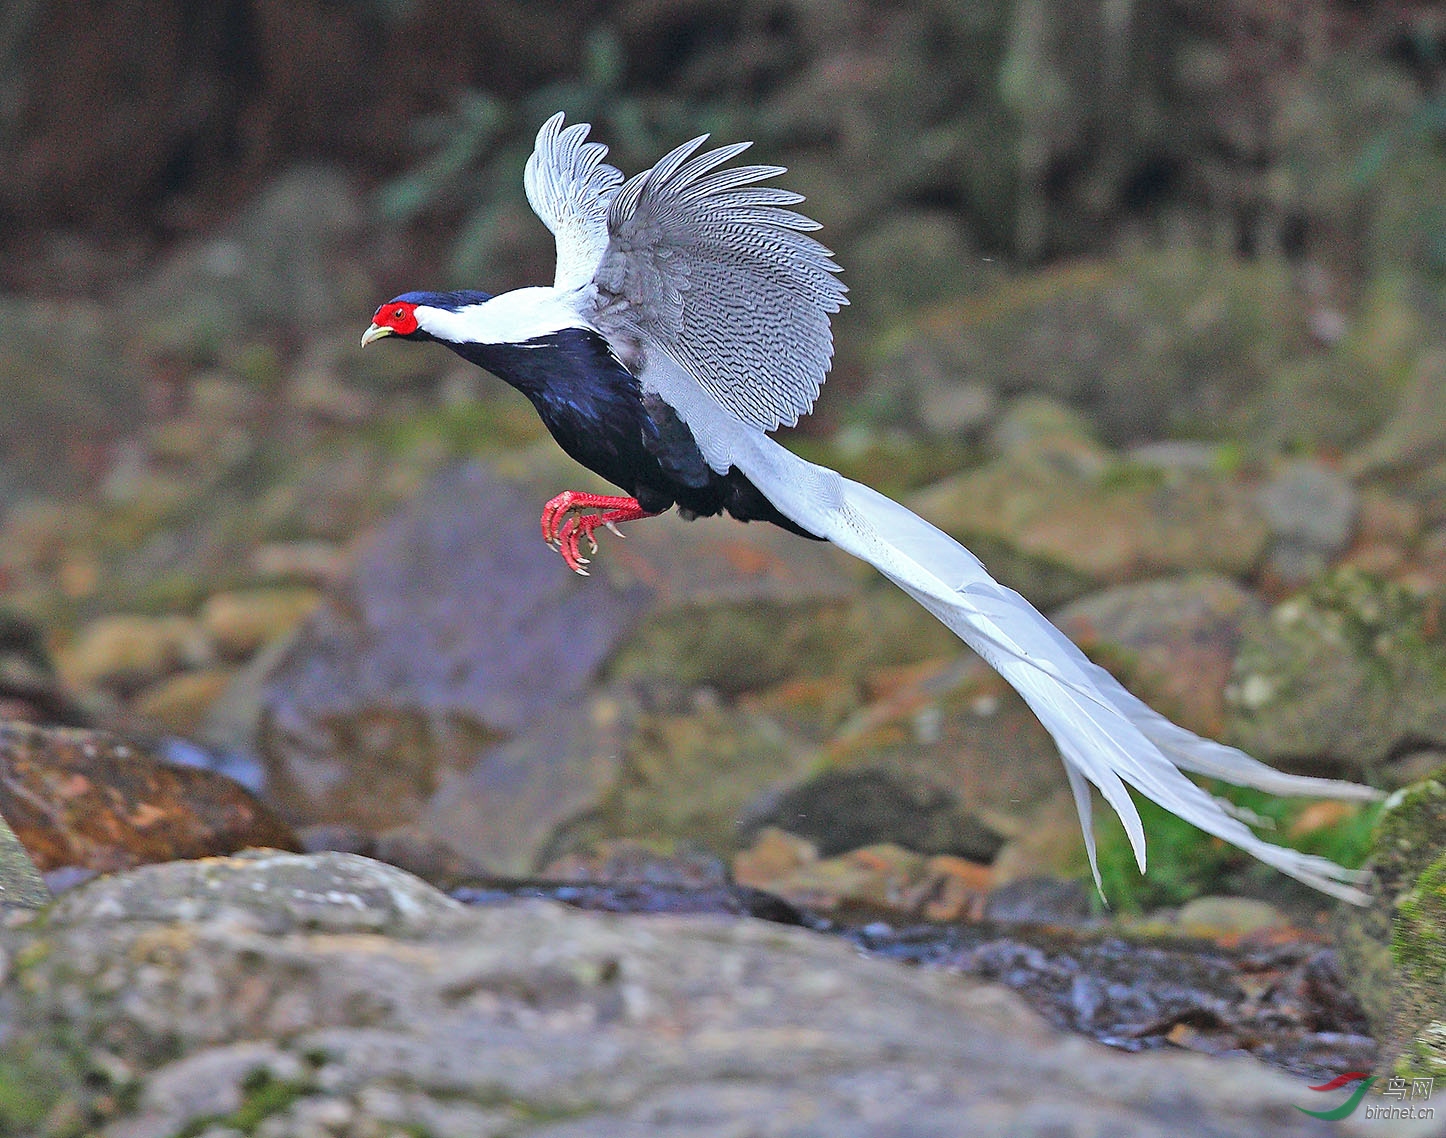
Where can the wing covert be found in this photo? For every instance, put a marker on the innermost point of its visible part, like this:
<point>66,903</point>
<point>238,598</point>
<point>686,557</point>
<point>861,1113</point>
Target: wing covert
<point>568,186</point>
<point>715,271</point>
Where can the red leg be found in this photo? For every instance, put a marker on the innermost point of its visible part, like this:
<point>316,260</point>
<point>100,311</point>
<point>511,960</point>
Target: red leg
<point>564,527</point>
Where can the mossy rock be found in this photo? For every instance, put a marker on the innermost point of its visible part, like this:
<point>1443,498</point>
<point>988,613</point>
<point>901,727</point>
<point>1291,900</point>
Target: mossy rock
<point>1058,524</point>
<point>1394,952</point>
<point>1418,951</point>
<point>1207,332</point>
<point>21,886</point>
<point>746,645</point>
<point>1348,672</point>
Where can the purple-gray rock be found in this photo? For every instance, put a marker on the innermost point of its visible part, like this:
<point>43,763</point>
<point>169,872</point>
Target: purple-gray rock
<point>457,630</point>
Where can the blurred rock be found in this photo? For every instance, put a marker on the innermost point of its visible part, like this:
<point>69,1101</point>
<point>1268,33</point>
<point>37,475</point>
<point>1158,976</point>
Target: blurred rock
<point>306,989</point>
<point>1040,901</point>
<point>418,851</point>
<point>1344,674</point>
<point>610,765</point>
<point>1051,527</point>
<point>1177,455</point>
<point>844,809</point>
<point>1092,334</point>
<point>632,862</point>
<point>1039,427</point>
<point>964,759</point>
<point>1173,642</point>
<point>1228,917</point>
<point>457,629</point>
<point>774,855</point>
<point>128,651</point>
<point>516,710</point>
<point>883,879</point>
<point>1044,844</point>
<point>181,703</point>
<point>90,800</point>
<point>242,623</point>
<point>957,409</point>
<point>1393,953</point>
<point>1312,512</point>
<point>30,689</point>
<point>317,563</point>
<point>21,886</point>
<point>286,262</point>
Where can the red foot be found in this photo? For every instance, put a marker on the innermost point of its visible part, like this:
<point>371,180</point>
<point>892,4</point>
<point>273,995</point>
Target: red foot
<point>564,528</point>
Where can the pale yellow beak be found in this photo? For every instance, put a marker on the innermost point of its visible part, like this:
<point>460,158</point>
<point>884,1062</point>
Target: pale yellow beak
<point>375,332</point>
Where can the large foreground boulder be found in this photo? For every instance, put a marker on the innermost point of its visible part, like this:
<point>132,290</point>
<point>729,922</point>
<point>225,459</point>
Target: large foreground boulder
<point>280,995</point>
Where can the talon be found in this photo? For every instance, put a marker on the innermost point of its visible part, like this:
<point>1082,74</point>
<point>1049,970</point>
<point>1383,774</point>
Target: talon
<point>564,526</point>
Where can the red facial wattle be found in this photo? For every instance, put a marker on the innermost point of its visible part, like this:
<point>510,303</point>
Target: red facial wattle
<point>399,316</point>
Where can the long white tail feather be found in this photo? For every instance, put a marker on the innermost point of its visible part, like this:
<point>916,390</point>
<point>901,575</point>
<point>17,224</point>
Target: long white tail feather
<point>1105,735</point>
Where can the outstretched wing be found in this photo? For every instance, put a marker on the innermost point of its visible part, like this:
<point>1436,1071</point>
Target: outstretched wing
<point>712,270</point>
<point>569,186</point>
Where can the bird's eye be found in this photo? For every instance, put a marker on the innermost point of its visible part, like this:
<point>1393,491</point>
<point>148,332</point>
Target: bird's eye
<point>399,313</point>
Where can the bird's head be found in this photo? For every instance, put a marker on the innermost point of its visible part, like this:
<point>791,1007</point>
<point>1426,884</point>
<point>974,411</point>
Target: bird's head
<point>421,315</point>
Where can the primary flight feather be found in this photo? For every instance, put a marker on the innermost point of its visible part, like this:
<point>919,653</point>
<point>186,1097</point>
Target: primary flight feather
<point>689,316</point>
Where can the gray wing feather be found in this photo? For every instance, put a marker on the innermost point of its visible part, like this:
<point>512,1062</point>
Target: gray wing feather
<point>569,186</point>
<point>708,267</point>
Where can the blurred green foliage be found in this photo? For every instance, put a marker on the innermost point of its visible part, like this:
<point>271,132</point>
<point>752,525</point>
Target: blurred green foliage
<point>1186,862</point>
<point>473,154</point>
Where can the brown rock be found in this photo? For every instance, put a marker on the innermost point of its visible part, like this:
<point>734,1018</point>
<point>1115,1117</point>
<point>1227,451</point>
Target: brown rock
<point>243,622</point>
<point>129,651</point>
<point>88,799</point>
<point>1172,642</point>
<point>181,702</point>
<point>773,855</point>
<point>1121,524</point>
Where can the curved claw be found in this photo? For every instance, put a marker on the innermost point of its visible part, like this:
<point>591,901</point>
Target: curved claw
<point>564,526</point>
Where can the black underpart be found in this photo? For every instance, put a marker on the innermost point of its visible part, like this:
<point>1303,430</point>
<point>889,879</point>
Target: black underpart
<point>596,410</point>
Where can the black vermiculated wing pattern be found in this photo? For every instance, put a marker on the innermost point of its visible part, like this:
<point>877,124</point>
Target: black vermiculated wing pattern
<point>713,270</point>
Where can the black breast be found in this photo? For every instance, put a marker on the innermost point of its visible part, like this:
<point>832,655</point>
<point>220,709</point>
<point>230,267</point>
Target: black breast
<point>596,410</point>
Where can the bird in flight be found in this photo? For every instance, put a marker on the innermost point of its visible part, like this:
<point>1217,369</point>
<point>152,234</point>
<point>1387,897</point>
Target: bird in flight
<point>689,317</point>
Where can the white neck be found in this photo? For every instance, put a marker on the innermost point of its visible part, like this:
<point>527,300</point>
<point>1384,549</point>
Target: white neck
<point>511,318</point>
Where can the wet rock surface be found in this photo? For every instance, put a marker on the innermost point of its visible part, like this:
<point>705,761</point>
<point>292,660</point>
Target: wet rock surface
<point>277,993</point>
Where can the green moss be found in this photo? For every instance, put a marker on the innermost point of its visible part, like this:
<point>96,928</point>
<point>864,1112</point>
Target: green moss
<point>264,1096</point>
<point>1186,862</point>
<point>1410,812</point>
<point>1351,669</point>
<point>1418,933</point>
<point>1423,912</point>
<point>24,1102</point>
<point>1131,476</point>
<point>1425,1055</point>
<point>1382,621</point>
